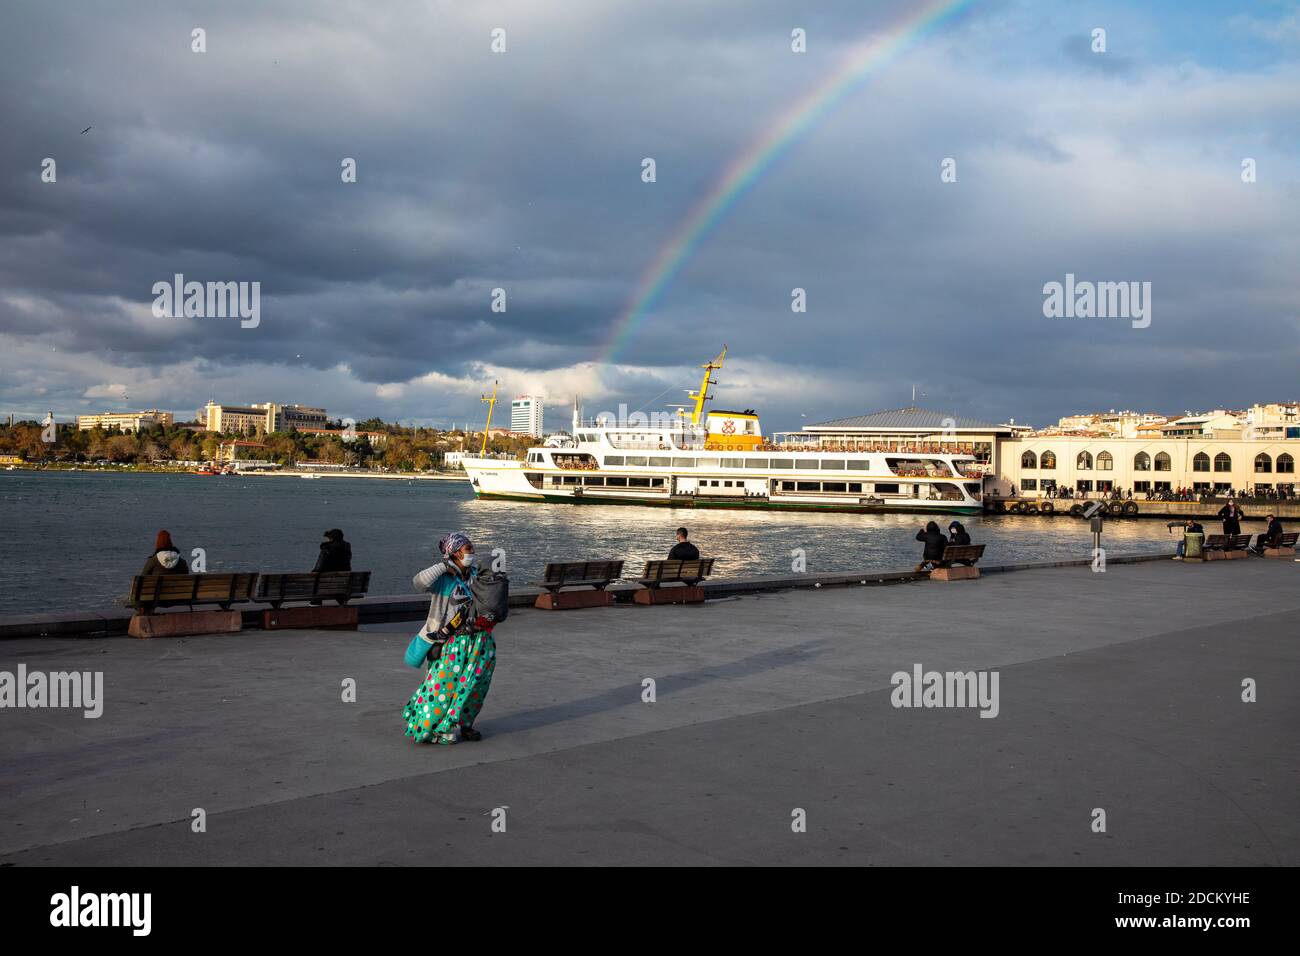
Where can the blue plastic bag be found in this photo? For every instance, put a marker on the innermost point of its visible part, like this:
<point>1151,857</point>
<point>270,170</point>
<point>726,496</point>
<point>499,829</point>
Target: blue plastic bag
<point>417,651</point>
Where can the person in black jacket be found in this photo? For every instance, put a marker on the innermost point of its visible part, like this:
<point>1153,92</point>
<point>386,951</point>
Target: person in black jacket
<point>935,542</point>
<point>1272,536</point>
<point>683,550</point>
<point>1231,516</point>
<point>166,559</point>
<point>957,535</point>
<point>335,553</point>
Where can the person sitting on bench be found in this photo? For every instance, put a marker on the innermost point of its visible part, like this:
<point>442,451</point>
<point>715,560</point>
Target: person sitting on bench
<point>683,550</point>
<point>335,553</point>
<point>1272,536</point>
<point>957,535</point>
<point>935,542</point>
<point>1192,527</point>
<point>166,559</point>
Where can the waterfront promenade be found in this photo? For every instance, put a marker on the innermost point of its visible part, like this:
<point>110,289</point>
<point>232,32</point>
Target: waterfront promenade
<point>1119,690</point>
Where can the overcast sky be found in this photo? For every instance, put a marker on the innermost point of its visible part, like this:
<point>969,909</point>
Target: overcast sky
<point>522,170</point>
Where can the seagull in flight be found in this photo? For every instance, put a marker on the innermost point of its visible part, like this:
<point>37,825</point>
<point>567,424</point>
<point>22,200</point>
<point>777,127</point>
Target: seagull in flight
<point>86,130</point>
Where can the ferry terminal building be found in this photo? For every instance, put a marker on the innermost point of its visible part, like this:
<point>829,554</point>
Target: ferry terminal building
<point>1196,453</point>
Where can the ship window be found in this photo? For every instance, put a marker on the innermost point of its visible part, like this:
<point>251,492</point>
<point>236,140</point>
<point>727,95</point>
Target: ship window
<point>833,464</point>
<point>570,479</point>
<point>613,481</point>
<point>656,482</point>
<point>637,460</point>
<point>726,484</point>
<point>855,487</point>
<point>661,462</point>
<point>534,478</point>
<point>594,481</point>
<point>834,486</point>
<point>973,487</point>
<point>683,462</point>
<point>857,464</point>
<point>782,463</point>
<point>733,463</point>
<point>638,482</point>
<point>614,460</point>
<point>757,462</point>
<point>787,486</point>
<point>708,463</point>
<point>809,486</point>
<point>886,489</point>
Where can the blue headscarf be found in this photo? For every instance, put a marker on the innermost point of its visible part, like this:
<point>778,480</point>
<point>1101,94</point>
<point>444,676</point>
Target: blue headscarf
<point>453,542</point>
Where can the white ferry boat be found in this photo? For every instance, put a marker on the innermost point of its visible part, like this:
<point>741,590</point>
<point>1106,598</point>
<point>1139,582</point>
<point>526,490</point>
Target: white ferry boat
<point>722,460</point>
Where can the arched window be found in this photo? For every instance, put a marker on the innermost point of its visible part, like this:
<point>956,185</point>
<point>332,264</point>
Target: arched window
<point>1162,461</point>
<point>1201,462</point>
<point>1083,462</point>
<point>1263,462</point>
<point>1028,460</point>
<point>1223,461</point>
<point>1048,461</point>
<point>1141,461</point>
<point>1105,462</point>
<point>1285,463</point>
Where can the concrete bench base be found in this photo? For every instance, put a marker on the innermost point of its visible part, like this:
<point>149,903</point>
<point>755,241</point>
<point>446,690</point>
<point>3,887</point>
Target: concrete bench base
<point>1279,552</point>
<point>311,618</point>
<point>571,600</point>
<point>954,574</point>
<point>1226,555</point>
<point>672,595</point>
<point>185,624</point>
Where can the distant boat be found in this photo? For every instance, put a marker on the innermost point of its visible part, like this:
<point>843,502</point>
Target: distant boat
<point>309,476</point>
<point>207,472</point>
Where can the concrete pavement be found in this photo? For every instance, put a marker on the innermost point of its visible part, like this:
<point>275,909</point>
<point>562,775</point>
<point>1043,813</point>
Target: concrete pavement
<point>1119,691</point>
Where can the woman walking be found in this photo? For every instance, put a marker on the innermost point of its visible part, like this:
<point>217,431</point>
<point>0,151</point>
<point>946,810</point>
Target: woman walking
<point>443,708</point>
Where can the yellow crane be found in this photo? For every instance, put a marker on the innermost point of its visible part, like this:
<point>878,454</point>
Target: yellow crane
<point>703,394</point>
<point>487,429</point>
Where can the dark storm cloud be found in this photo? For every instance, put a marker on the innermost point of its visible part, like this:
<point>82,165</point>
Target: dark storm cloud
<point>521,171</point>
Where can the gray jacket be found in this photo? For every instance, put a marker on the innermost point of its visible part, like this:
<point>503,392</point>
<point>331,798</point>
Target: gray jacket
<point>449,593</point>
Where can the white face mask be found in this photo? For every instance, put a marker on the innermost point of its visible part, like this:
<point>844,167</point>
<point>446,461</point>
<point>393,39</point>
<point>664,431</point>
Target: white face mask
<point>469,561</point>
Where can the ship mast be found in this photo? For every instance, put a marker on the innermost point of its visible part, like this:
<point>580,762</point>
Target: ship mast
<point>487,429</point>
<point>703,394</point>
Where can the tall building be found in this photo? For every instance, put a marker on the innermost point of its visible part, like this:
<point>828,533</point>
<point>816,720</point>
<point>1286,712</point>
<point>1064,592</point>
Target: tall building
<point>262,417</point>
<point>526,415</point>
<point>126,421</point>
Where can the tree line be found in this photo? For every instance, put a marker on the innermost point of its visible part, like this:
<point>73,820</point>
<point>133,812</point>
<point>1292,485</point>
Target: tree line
<point>406,448</point>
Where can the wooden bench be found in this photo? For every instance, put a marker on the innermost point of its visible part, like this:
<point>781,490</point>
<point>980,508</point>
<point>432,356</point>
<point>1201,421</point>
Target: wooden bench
<point>1285,546</point>
<point>337,586</point>
<point>595,575</point>
<point>688,574</point>
<point>152,591</point>
<point>1227,547</point>
<point>964,554</point>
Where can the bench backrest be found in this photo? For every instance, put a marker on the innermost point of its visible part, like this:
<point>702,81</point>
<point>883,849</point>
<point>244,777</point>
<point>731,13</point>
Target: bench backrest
<point>275,588</point>
<point>1215,542</point>
<point>963,552</point>
<point>1289,539</point>
<point>1240,542</point>
<point>168,589</point>
<point>678,570</point>
<point>572,573</point>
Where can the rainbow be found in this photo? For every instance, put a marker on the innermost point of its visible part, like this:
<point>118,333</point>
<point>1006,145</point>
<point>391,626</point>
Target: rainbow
<point>749,166</point>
